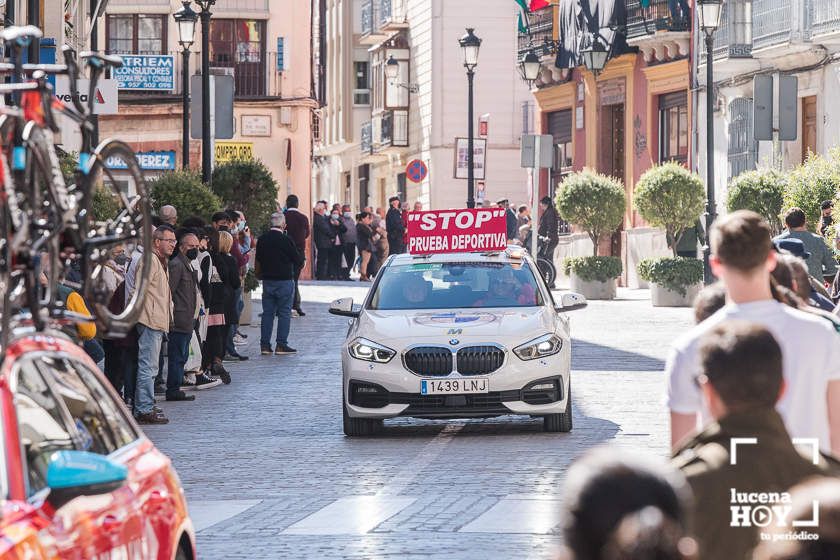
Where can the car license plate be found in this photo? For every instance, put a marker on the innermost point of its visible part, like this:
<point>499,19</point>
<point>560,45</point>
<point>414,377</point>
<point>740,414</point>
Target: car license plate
<point>454,386</point>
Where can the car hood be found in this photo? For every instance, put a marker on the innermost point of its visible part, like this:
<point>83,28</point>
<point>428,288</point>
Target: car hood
<point>501,326</point>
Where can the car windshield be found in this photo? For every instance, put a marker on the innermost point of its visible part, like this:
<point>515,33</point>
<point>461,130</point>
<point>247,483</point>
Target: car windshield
<point>456,285</point>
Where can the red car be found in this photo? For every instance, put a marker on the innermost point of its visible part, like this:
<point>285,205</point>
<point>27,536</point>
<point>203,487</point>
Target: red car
<point>78,477</point>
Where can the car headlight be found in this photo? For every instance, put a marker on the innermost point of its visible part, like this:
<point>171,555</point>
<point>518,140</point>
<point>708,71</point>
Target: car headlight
<point>369,351</point>
<point>541,347</point>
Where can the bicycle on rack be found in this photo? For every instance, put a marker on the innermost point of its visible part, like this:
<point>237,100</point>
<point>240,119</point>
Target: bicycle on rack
<point>48,227</point>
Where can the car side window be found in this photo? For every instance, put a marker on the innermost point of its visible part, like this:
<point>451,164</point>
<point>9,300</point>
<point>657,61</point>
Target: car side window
<point>43,429</point>
<point>123,432</point>
<point>95,434</point>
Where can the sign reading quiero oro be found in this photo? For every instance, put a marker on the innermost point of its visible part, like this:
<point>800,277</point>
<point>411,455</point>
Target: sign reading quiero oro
<point>455,231</point>
<point>229,151</point>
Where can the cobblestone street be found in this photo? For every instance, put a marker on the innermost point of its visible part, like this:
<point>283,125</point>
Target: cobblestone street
<point>269,474</point>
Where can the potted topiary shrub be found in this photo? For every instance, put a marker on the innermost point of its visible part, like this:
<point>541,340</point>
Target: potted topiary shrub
<point>184,190</point>
<point>761,191</point>
<point>670,197</point>
<point>596,203</point>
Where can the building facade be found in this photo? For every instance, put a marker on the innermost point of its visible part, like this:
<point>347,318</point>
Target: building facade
<point>763,37</point>
<point>374,127</point>
<point>633,114</point>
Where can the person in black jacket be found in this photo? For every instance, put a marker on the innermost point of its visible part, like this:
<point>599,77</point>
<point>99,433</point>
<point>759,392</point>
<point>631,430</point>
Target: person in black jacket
<point>364,242</point>
<point>224,282</point>
<point>549,226</point>
<point>395,226</point>
<point>276,262</point>
<point>324,238</point>
<point>511,222</point>
<point>336,250</point>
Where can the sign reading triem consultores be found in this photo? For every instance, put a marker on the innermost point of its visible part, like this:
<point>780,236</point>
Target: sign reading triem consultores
<point>146,72</point>
<point>453,231</point>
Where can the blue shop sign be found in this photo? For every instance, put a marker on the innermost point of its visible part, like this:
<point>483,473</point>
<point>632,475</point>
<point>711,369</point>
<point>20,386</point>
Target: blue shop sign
<point>149,161</point>
<point>146,72</point>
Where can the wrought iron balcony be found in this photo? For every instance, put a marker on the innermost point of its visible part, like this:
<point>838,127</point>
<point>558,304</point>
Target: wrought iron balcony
<point>540,33</point>
<point>390,130</point>
<point>825,21</point>
<point>392,14</point>
<point>656,16</point>
<point>733,39</point>
<point>371,20</point>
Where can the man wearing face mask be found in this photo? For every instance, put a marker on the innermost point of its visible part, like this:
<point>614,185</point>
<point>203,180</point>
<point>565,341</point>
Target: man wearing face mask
<point>183,283</point>
<point>348,241</point>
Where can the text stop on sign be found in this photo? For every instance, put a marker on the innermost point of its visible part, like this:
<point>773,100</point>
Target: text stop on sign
<point>454,231</point>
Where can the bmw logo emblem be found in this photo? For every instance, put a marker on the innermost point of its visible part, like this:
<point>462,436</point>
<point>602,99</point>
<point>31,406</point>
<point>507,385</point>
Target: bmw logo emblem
<point>454,342</point>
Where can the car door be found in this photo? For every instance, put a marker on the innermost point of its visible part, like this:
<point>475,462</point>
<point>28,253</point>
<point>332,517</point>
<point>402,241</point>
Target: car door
<point>108,524</point>
<point>154,494</point>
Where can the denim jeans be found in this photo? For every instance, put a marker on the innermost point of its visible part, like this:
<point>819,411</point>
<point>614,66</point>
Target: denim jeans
<point>148,359</point>
<point>178,350</point>
<point>230,347</point>
<point>277,299</point>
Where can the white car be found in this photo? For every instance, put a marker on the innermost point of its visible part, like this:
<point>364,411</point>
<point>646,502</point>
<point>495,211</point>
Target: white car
<point>459,335</point>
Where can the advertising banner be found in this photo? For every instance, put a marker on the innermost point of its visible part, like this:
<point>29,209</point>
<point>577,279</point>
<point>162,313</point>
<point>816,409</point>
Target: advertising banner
<point>146,72</point>
<point>230,151</point>
<point>457,231</point>
<point>149,161</point>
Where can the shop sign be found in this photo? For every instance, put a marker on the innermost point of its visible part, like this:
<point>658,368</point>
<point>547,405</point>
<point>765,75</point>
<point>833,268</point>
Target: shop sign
<point>230,151</point>
<point>149,161</point>
<point>146,72</point>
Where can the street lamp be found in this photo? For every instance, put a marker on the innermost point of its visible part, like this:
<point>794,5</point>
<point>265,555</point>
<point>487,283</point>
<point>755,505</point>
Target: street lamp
<point>392,72</point>
<point>185,18</point>
<point>470,44</point>
<point>206,161</point>
<point>708,14</point>
<point>529,68</point>
<point>595,56</point>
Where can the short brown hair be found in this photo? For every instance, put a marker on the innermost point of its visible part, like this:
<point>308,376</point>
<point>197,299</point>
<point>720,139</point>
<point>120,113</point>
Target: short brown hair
<point>743,362</point>
<point>708,301</point>
<point>794,217</point>
<point>742,240</point>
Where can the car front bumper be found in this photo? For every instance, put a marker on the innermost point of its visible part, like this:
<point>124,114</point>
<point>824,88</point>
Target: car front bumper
<point>390,390</point>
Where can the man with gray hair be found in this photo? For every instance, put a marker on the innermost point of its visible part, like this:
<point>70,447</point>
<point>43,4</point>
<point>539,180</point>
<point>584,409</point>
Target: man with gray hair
<point>276,261</point>
<point>169,215</point>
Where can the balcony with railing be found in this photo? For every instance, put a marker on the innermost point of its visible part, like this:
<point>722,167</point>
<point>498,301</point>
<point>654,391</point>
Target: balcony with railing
<point>393,15</point>
<point>781,29</point>
<point>540,32</point>
<point>825,21</point>
<point>371,14</point>
<point>732,46</point>
<point>390,130</point>
<point>659,28</point>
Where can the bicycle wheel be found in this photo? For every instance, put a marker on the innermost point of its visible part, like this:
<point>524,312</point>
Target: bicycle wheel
<point>547,271</point>
<point>115,219</point>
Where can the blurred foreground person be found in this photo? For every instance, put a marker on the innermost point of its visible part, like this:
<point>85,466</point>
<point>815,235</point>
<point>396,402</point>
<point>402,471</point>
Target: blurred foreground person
<point>622,506</point>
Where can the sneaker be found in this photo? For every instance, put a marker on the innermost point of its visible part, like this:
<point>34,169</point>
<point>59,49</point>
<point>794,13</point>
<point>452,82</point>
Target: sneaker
<point>284,349</point>
<point>295,313</point>
<point>152,418</point>
<point>220,372</point>
<point>266,351</point>
<point>204,381</point>
<point>238,340</point>
<point>180,396</point>
<point>300,312</point>
<point>189,381</point>
<point>242,334</point>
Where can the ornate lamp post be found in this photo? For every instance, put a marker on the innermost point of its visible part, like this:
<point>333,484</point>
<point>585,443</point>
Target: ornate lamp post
<point>708,14</point>
<point>185,18</point>
<point>206,161</point>
<point>470,45</point>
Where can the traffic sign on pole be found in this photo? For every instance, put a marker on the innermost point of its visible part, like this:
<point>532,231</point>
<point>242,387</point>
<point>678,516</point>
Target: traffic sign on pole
<point>416,171</point>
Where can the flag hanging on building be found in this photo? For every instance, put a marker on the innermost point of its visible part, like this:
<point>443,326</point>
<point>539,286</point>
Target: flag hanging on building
<point>522,6</point>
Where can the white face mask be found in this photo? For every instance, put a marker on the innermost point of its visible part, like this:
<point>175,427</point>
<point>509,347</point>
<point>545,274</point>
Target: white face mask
<point>348,214</point>
<point>334,216</point>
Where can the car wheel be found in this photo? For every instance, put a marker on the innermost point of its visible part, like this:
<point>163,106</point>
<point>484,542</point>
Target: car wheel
<point>356,427</point>
<point>560,422</point>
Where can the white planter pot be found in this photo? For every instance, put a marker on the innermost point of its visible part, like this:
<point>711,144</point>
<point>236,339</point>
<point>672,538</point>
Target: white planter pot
<point>245,317</point>
<point>663,297</point>
<point>594,289</point>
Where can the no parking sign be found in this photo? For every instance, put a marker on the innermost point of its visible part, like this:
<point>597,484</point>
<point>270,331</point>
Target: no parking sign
<point>416,171</point>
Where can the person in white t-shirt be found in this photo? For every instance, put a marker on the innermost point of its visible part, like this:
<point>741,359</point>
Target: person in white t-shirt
<point>742,258</point>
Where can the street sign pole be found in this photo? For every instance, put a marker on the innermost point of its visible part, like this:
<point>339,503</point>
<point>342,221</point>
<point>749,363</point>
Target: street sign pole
<point>535,195</point>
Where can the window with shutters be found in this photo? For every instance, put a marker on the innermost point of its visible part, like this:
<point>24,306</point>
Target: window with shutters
<point>560,128</point>
<point>742,149</point>
<point>136,34</point>
<point>673,127</point>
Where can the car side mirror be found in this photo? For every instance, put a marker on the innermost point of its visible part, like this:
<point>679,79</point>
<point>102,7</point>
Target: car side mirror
<point>71,474</point>
<point>571,301</point>
<point>344,308</point>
